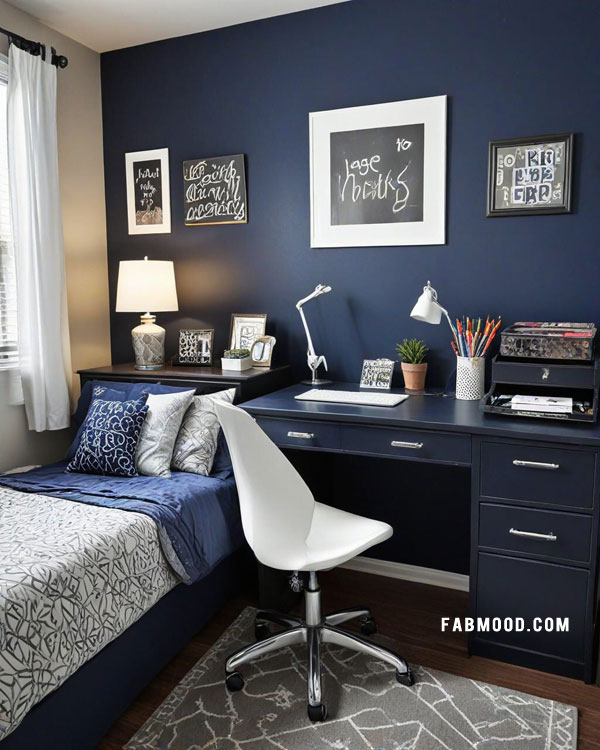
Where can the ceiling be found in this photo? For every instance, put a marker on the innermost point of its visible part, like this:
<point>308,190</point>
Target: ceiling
<point>111,24</point>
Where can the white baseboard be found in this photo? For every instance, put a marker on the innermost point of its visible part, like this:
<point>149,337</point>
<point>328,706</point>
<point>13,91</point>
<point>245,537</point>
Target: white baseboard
<point>409,572</point>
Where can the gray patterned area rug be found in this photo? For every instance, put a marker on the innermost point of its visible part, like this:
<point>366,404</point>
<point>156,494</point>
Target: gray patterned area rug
<point>368,709</point>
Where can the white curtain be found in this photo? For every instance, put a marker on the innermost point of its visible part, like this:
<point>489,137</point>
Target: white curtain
<point>42,325</point>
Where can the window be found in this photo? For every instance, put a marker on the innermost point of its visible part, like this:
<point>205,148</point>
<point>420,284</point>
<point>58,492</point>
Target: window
<point>8,290</point>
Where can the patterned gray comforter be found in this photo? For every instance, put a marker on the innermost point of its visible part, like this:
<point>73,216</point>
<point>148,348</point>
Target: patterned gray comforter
<point>72,578</point>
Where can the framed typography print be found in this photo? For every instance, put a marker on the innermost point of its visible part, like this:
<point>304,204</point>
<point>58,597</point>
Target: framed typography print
<point>377,373</point>
<point>378,174</point>
<point>148,192</point>
<point>530,175</point>
<point>195,346</point>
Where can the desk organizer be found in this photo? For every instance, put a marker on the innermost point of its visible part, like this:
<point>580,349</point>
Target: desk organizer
<point>579,380</point>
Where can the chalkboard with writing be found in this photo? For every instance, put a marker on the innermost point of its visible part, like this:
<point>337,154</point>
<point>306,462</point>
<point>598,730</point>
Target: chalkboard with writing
<point>215,190</point>
<point>147,188</point>
<point>377,175</point>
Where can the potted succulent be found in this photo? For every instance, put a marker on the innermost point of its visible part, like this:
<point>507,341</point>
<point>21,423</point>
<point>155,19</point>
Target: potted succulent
<point>412,353</point>
<point>236,359</point>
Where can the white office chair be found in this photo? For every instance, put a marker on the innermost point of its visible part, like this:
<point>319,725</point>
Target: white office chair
<point>288,530</point>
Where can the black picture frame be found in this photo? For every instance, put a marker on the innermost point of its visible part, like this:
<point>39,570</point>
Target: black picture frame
<point>192,336</point>
<point>530,209</point>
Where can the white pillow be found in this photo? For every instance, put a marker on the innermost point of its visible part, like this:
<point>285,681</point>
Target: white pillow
<point>159,432</point>
<point>198,438</point>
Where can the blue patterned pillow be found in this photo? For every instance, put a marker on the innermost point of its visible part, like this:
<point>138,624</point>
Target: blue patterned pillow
<point>109,438</point>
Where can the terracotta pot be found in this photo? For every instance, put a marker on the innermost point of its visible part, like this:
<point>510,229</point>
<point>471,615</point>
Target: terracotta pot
<point>414,376</point>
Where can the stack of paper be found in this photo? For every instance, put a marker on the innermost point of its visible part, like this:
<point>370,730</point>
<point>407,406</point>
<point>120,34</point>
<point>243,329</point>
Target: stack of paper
<point>549,404</point>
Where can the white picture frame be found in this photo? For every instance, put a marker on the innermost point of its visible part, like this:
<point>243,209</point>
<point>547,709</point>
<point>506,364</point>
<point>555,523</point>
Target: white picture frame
<point>148,192</point>
<point>245,329</point>
<point>425,117</point>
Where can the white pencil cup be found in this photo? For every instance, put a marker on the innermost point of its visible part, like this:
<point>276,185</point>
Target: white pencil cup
<point>470,378</point>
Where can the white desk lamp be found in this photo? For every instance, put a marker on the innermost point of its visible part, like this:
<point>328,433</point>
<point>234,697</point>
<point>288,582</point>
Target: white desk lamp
<point>428,309</point>
<point>312,359</point>
<point>147,285</point>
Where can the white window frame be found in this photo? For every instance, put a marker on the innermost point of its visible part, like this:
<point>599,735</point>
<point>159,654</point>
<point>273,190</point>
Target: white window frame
<point>8,319</point>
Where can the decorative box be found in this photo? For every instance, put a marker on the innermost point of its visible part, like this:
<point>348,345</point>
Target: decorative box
<point>574,341</point>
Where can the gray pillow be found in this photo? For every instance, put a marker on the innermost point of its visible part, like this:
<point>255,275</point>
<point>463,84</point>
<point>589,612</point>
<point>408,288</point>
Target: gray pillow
<point>198,437</point>
<point>159,432</point>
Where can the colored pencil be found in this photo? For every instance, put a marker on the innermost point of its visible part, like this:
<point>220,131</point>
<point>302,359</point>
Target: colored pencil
<point>472,338</point>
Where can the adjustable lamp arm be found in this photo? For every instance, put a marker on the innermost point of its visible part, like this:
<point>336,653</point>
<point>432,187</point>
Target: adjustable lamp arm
<point>311,348</point>
<point>313,360</point>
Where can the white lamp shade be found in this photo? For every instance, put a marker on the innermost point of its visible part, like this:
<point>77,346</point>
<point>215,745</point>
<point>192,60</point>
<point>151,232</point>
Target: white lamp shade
<point>146,286</point>
<point>427,310</point>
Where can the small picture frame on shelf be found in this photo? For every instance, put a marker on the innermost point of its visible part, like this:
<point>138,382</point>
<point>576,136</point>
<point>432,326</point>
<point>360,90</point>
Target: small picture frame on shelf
<point>531,175</point>
<point>245,329</point>
<point>262,351</point>
<point>377,373</point>
<point>195,346</point>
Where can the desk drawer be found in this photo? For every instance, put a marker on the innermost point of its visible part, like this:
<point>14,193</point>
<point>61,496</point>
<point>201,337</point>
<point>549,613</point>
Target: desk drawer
<point>415,444</point>
<point>555,476</point>
<point>512,587</point>
<point>560,536</point>
<point>301,434</point>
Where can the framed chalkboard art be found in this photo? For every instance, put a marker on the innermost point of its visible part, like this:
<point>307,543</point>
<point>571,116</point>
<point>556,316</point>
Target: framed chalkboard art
<point>378,174</point>
<point>530,175</point>
<point>214,191</point>
<point>148,193</point>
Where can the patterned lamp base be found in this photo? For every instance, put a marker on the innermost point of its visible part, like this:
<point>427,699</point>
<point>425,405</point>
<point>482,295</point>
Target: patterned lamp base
<point>148,344</point>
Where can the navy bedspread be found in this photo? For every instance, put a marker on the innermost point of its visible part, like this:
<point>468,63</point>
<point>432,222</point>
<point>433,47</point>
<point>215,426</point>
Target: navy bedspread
<point>198,517</point>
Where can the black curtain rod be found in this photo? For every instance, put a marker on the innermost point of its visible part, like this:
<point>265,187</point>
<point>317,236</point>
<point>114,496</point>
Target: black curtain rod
<point>35,48</point>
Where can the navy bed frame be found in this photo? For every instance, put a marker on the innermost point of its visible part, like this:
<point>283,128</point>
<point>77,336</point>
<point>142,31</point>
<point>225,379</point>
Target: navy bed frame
<point>79,713</point>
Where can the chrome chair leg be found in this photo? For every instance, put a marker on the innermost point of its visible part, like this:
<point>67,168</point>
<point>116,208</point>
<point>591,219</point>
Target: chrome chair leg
<point>314,667</point>
<point>354,642</point>
<point>277,618</point>
<point>343,615</point>
<point>245,654</point>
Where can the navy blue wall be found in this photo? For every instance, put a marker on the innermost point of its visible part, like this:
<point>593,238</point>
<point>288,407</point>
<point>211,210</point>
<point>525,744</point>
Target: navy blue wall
<point>509,68</point>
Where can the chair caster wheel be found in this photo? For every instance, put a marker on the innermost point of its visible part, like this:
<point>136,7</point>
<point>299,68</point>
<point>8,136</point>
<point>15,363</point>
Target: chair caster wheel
<point>261,631</point>
<point>318,712</point>
<point>234,682</point>
<point>406,678</point>
<point>368,626</point>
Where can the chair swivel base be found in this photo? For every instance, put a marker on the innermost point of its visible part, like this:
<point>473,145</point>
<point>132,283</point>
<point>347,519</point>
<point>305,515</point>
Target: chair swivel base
<point>313,630</point>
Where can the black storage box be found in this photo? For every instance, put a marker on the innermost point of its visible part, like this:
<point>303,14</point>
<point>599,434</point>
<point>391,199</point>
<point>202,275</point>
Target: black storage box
<point>512,376</point>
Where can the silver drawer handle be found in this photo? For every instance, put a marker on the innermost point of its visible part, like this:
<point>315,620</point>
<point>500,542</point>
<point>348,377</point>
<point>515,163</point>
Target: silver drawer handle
<point>305,435</point>
<point>402,444</point>
<point>535,464</point>
<point>534,535</point>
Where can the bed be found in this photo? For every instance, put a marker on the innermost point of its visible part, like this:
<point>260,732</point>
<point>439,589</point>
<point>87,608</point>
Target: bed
<point>102,580</point>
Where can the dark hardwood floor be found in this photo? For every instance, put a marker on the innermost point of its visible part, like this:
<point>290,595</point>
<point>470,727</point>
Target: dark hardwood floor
<point>410,613</point>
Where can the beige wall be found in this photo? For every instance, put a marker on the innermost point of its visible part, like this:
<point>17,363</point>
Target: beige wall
<point>82,192</point>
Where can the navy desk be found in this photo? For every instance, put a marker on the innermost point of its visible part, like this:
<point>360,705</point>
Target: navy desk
<point>527,475</point>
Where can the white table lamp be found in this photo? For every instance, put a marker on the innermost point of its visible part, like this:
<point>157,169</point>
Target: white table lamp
<point>147,285</point>
<point>313,360</point>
